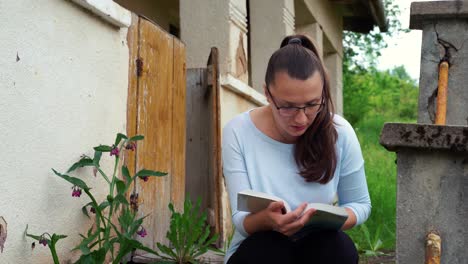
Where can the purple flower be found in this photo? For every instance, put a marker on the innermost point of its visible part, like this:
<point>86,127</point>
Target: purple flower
<point>142,232</point>
<point>76,192</point>
<point>114,151</point>
<point>131,146</point>
<point>43,241</point>
<point>145,178</point>
<point>92,210</point>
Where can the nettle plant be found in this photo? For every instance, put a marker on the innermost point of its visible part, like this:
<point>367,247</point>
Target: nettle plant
<point>188,234</point>
<point>105,237</point>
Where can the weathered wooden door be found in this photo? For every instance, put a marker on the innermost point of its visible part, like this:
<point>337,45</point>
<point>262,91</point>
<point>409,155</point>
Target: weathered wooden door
<point>203,164</point>
<point>156,109</point>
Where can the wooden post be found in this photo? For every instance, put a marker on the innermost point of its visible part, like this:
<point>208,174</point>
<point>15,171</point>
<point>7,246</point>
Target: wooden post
<point>441,112</point>
<point>433,248</point>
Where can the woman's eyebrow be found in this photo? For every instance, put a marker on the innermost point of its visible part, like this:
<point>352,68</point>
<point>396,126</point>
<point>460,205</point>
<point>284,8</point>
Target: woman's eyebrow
<point>311,101</point>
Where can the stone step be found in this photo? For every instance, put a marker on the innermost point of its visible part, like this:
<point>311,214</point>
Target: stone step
<point>209,257</point>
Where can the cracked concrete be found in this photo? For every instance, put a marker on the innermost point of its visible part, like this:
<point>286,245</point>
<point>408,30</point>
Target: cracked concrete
<point>444,39</point>
<point>446,47</point>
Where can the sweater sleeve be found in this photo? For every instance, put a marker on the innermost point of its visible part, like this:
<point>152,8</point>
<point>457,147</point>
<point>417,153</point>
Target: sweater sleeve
<point>235,172</point>
<point>352,186</point>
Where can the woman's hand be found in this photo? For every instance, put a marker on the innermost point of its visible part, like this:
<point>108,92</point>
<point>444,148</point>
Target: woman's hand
<point>272,218</point>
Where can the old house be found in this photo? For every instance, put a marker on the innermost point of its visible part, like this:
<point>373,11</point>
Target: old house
<point>75,73</point>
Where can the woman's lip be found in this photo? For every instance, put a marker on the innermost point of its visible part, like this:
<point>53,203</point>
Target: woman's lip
<point>299,127</point>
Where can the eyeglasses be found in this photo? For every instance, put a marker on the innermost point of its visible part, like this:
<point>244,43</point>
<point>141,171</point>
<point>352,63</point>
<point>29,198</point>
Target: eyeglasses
<point>288,111</point>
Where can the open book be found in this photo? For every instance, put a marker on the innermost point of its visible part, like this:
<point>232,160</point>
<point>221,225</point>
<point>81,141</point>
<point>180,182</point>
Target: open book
<point>326,217</point>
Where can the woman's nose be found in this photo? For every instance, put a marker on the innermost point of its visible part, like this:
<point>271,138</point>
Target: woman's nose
<point>301,117</point>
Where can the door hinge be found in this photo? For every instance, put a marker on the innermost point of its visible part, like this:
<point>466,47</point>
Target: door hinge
<point>139,67</point>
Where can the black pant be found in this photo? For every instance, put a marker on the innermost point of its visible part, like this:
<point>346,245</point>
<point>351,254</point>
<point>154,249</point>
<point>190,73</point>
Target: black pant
<point>317,247</point>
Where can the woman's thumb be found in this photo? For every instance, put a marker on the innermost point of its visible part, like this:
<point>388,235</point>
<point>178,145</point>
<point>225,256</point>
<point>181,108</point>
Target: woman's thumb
<point>277,207</point>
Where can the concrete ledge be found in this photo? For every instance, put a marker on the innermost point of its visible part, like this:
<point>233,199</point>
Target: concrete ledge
<point>244,90</point>
<point>209,257</point>
<point>424,12</point>
<point>424,136</point>
<point>108,11</point>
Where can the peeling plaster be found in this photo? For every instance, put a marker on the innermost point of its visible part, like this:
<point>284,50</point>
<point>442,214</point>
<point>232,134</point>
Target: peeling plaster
<point>3,233</point>
<point>446,46</point>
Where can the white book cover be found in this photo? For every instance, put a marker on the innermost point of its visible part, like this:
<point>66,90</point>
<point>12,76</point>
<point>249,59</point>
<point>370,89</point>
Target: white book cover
<point>326,216</point>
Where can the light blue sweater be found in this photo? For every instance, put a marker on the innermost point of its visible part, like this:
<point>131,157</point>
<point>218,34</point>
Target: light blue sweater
<point>252,160</point>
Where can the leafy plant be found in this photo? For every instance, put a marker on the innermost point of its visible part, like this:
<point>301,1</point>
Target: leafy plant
<point>46,239</point>
<point>188,234</point>
<point>104,237</point>
<point>373,244</point>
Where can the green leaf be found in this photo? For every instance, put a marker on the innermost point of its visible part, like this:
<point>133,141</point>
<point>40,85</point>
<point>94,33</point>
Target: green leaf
<point>120,186</point>
<point>56,238</point>
<point>121,199</point>
<point>136,138</point>
<point>83,246</point>
<point>85,161</point>
<point>119,138</point>
<point>97,158</point>
<point>84,209</point>
<point>34,236</point>
<point>103,205</point>
<point>144,172</point>
<point>95,257</point>
<point>126,174</point>
<point>103,148</point>
<point>72,180</point>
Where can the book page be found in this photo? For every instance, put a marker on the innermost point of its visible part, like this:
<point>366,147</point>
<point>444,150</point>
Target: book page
<point>328,208</point>
<point>253,201</point>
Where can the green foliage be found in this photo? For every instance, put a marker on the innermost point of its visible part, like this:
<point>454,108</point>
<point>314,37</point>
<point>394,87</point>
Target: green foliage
<point>373,243</point>
<point>104,238</point>
<point>371,99</point>
<point>362,50</point>
<point>385,94</point>
<point>188,234</point>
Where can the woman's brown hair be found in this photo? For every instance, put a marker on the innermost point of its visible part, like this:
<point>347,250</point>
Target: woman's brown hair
<point>314,151</point>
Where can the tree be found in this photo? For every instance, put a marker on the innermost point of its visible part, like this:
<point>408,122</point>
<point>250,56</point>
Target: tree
<point>361,51</point>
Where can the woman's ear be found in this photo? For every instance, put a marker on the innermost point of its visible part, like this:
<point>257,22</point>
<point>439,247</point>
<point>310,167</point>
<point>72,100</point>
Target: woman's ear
<point>265,92</point>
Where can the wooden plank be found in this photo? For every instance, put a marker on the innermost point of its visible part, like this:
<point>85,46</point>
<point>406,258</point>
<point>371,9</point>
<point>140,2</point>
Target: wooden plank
<point>132,99</point>
<point>198,123</point>
<point>155,122</point>
<point>178,126</point>
<point>215,144</point>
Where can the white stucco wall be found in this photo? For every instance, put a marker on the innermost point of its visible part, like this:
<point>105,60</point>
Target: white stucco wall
<point>66,94</point>
<point>203,25</point>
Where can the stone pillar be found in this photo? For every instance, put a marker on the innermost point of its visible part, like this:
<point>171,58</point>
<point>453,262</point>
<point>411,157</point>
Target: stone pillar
<point>314,31</point>
<point>270,21</point>
<point>432,160</point>
<point>445,32</point>
<point>334,64</point>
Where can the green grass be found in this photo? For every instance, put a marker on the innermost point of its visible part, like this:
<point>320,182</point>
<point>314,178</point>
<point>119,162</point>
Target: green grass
<point>381,179</point>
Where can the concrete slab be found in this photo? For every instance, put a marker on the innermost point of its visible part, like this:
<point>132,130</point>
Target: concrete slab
<point>424,12</point>
<point>396,136</point>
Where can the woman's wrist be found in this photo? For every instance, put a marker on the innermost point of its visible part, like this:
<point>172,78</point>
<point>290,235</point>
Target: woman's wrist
<point>256,222</point>
<point>351,221</point>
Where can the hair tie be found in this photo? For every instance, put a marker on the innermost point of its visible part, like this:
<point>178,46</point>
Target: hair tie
<point>295,41</point>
